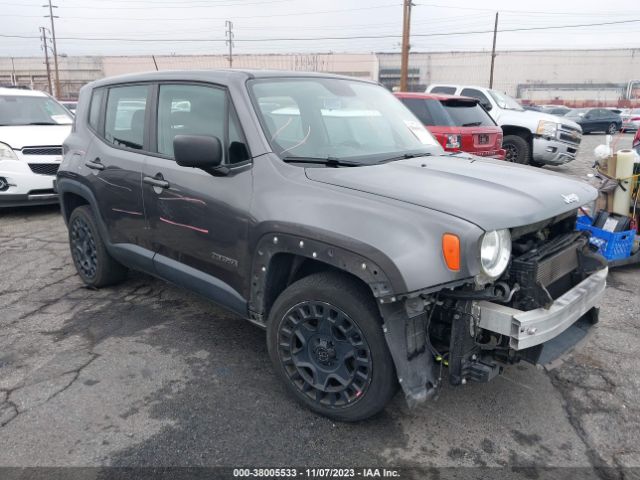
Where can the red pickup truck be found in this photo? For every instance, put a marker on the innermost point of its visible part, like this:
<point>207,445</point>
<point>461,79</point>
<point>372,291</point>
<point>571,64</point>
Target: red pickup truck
<point>459,123</point>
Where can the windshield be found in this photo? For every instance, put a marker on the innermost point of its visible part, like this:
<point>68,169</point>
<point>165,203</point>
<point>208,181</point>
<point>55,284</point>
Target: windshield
<point>505,101</point>
<point>329,118</point>
<point>32,110</point>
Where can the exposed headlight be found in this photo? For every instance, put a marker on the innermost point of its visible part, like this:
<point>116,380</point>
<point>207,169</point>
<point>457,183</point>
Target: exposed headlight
<point>495,251</point>
<point>6,152</point>
<point>547,128</point>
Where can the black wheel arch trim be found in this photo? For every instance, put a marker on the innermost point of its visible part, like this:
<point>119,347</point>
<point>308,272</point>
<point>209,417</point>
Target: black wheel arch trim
<point>374,269</point>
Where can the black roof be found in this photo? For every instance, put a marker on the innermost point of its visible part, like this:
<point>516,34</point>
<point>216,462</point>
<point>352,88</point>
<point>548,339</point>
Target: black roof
<point>222,76</point>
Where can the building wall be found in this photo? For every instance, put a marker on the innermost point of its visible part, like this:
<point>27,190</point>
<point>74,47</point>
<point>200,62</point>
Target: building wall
<point>540,76</point>
<point>31,71</point>
<point>356,65</point>
<point>572,73</point>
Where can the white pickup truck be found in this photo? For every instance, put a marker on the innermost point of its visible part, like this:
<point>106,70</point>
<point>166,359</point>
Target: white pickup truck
<point>530,137</point>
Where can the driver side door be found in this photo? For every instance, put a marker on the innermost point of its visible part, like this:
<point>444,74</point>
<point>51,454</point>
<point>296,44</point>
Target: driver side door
<point>198,222</point>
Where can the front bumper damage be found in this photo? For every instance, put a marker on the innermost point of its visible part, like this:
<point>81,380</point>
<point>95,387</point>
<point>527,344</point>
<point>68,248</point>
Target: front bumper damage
<point>541,336</point>
<point>532,328</point>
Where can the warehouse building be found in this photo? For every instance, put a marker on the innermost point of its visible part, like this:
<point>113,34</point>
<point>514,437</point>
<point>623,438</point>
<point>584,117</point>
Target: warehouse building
<point>541,76</point>
<point>575,76</point>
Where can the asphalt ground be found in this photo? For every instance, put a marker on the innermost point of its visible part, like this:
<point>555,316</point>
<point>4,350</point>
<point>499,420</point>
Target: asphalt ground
<point>147,374</point>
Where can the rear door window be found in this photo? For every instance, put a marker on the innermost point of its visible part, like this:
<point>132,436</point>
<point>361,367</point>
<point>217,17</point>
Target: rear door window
<point>126,116</point>
<point>468,114</point>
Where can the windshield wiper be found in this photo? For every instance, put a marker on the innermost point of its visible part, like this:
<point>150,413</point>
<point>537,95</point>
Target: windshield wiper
<point>406,156</point>
<point>330,161</point>
<point>43,123</point>
<point>471,124</point>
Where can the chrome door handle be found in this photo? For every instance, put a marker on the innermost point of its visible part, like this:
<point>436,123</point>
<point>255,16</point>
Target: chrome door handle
<point>156,182</point>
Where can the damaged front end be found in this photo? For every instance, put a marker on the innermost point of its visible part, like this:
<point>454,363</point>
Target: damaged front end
<point>537,310</point>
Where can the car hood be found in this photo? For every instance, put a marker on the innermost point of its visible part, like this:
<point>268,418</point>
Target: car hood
<point>20,136</point>
<point>492,194</point>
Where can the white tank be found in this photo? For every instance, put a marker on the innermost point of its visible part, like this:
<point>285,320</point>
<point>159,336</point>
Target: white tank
<point>624,169</point>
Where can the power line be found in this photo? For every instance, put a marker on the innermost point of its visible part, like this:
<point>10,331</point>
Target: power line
<point>220,18</point>
<point>573,14</point>
<point>352,37</point>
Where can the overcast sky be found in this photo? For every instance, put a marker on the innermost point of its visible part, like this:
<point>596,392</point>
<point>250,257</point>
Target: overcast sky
<point>163,23</point>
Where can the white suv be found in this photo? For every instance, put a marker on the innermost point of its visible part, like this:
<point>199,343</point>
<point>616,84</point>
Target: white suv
<point>33,126</point>
<point>530,137</point>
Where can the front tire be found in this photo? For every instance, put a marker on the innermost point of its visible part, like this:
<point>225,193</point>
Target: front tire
<point>612,129</point>
<point>325,341</point>
<point>93,263</point>
<point>518,150</point>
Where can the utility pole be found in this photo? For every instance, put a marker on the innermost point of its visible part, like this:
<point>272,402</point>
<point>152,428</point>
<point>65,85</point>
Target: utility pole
<point>45,47</point>
<point>493,51</point>
<point>229,41</point>
<point>406,27</point>
<point>55,49</point>
<point>14,80</point>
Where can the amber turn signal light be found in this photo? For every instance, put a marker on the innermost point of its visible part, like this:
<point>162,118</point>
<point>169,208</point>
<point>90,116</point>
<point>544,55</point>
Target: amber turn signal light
<point>451,251</point>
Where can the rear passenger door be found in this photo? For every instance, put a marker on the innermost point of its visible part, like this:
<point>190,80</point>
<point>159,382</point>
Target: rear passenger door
<point>198,222</point>
<point>116,158</point>
<point>592,120</point>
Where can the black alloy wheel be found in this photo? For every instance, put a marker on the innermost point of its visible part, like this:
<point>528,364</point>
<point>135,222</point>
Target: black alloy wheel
<point>511,153</point>
<point>95,266</point>
<point>324,353</point>
<point>517,149</point>
<point>83,247</point>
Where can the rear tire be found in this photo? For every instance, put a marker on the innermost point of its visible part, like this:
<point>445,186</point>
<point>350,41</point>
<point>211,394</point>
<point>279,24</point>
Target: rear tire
<point>325,340</point>
<point>518,150</point>
<point>92,261</point>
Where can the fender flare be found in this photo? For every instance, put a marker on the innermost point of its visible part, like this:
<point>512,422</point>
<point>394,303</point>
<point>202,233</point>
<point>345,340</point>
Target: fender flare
<point>68,185</point>
<point>384,282</point>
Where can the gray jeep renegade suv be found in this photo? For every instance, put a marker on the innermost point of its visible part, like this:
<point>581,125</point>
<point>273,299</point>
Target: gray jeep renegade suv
<point>318,207</point>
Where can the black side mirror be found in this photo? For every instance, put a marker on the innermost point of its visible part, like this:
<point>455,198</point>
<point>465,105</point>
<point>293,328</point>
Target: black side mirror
<point>487,106</point>
<point>199,151</point>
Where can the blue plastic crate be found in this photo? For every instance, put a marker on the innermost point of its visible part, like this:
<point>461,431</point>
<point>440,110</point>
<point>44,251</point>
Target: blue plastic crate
<point>611,245</point>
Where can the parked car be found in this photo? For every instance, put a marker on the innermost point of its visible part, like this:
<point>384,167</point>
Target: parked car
<point>631,120</point>
<point>559,110</point>
<point>367,254</point>
<point>596,120</point>
<point>636,142</point>
<point>70,105</point>
<point>458,123</point>
<point>32,128</point>
<point>530,137</point>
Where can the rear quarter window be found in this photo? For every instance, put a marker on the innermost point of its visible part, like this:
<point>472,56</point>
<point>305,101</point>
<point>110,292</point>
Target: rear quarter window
<point>95,107</point>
